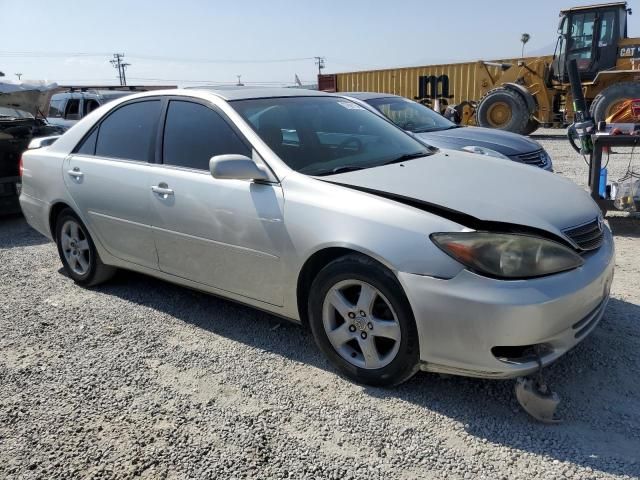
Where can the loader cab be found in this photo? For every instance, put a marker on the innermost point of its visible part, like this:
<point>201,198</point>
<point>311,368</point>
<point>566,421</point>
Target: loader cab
<point>590,35</point>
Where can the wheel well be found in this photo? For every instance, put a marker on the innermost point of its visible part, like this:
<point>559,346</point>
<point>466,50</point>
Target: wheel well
<point>310,270</point>
<point>53,215</point>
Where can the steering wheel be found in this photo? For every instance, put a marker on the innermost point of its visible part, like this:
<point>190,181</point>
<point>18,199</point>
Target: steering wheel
<point>408,126</point>
<point>349,141</point>
<point>574,140</point>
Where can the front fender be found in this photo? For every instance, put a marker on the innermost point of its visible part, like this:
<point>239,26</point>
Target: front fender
<point>525,94</point>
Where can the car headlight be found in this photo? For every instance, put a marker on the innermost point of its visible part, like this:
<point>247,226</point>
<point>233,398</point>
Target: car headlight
<point>506,255</point>
<point>548,163</point>
<point>483,151</point>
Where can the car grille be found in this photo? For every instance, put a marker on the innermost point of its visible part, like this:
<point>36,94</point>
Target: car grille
<point>588,236</point>
<point>539,158</point>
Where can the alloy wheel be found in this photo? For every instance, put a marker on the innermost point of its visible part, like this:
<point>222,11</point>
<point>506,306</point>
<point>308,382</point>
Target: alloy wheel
<point>361,324</point>
<point>75,247</point>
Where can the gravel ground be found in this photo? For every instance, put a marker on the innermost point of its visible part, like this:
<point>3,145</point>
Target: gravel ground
<point>143,378</point>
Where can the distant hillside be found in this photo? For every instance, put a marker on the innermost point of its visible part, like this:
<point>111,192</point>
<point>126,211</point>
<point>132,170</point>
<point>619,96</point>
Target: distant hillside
<point>546,50</point>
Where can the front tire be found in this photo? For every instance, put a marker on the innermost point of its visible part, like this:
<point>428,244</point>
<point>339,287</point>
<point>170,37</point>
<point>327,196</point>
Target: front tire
<point>78,252</point>
<point>362,321</point>
<point>611,99</point>
<point>503,109</point>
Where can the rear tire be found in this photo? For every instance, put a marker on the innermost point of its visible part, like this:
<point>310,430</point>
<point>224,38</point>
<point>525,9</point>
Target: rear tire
<point>78,252</point>
<point>503,109</point>
<point>371,337</point>
<point>605,103</point>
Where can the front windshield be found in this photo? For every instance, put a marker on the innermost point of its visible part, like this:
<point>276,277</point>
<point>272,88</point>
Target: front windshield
<point>409,115</point>
<point>326,135</point>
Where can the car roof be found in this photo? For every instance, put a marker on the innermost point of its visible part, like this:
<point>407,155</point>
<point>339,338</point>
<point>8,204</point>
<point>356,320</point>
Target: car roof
<point>368,95</point>
<point>244,93</point>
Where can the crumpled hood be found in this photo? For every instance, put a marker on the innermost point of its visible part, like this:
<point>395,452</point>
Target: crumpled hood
<point>490,190</point>
<point>33,98</point>
<point>507,143</point>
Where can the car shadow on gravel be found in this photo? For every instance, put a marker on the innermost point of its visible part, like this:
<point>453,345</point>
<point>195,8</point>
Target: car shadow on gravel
<point>625,226</point>
<point>558,137</point>
<point>486,409</point>
<point>600,401</point>
<point>15,232</point>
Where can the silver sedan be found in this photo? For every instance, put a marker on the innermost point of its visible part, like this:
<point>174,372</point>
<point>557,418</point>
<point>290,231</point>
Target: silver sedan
<point>398,256</point>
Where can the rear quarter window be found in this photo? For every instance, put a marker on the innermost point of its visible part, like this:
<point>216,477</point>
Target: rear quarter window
<point>88,145</point>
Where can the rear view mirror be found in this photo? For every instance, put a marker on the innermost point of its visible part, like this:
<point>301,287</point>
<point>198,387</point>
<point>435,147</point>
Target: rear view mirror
<point>236,167</point>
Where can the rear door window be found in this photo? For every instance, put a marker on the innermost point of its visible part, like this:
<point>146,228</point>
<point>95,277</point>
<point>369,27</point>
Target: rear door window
<point>193,133</point>
<point>129,132</point>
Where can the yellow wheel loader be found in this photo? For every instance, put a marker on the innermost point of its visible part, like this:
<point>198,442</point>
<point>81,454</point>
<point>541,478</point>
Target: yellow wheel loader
<point>536,91</point>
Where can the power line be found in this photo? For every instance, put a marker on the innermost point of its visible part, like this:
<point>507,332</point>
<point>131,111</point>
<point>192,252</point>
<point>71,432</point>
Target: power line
<point>224,82</point>
<point>51,54</point>
<point>153,57</point>
<point>215,60</point>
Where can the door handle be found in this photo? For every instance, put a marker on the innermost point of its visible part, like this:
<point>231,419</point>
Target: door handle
<point>162,191</point>
<point>75,173</point>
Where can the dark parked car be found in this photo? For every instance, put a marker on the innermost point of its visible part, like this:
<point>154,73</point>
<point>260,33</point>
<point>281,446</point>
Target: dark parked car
<point>17,129</point>
<point>439,132</point>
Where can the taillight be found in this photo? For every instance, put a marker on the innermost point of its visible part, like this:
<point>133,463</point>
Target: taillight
<point>20,167</point>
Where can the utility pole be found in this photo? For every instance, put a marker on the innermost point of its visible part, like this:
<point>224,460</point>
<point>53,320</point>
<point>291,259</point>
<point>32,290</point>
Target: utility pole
<point>121,66</point>
<point>320,62</point>
<point>18,75</point>
<point>124,77</point>
<point>239,84</point>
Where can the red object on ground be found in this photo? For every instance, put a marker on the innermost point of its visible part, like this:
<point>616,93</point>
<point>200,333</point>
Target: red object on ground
<point>635,108</point>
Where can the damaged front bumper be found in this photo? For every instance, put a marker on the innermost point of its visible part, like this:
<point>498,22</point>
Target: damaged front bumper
<point>476,326</point>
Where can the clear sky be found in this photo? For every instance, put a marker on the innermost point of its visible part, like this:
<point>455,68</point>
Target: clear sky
<point>196,41</point>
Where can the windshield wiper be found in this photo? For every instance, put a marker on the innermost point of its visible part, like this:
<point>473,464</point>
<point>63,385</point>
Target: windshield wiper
<point>346,168</point>
<point>406,156</point>
<point>341,169</point>
<point>435,129</point>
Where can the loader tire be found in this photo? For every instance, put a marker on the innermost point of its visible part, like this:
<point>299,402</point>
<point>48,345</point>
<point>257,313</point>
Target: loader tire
<point>503,109</point>
<point>609,100</point>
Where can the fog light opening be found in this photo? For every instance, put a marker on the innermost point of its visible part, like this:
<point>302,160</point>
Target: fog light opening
<point>521,353</point>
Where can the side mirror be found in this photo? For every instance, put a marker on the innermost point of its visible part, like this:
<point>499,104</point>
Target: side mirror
<point>236,167</point>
